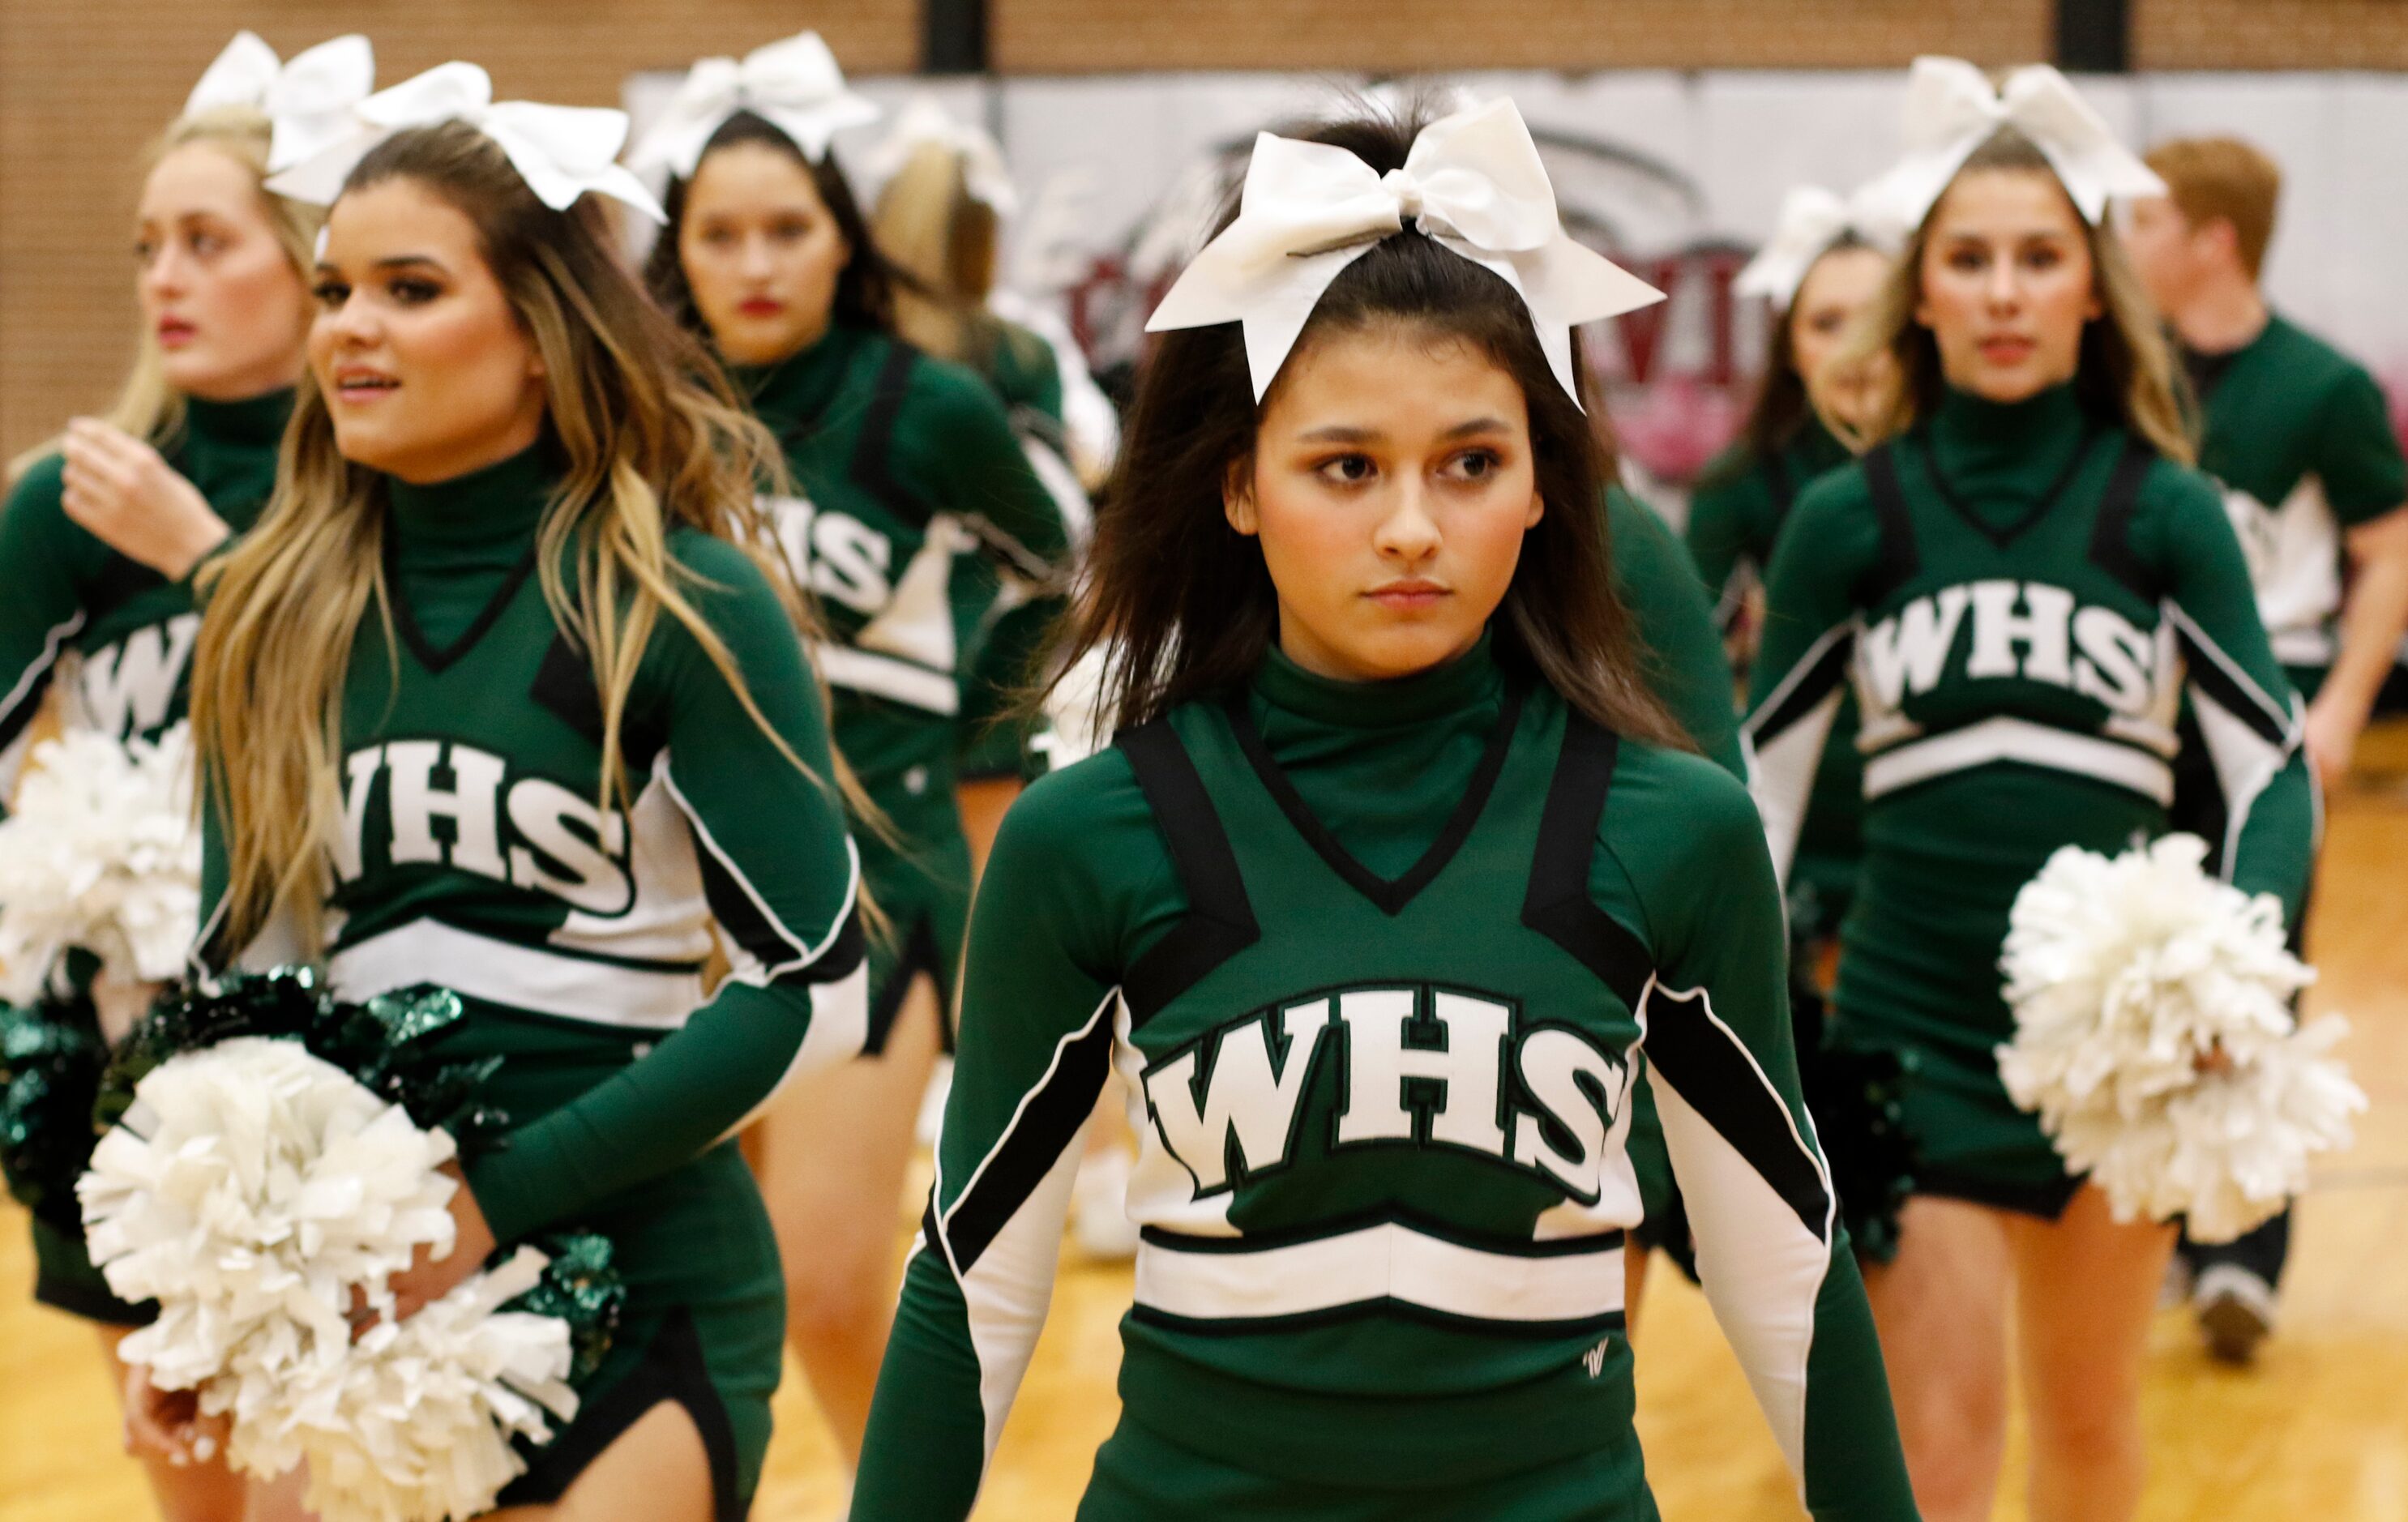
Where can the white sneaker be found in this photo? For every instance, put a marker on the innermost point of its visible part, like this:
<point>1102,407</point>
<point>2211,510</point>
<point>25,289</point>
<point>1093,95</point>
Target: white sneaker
<point>2236,1312</point>
<point>1099,1218</point>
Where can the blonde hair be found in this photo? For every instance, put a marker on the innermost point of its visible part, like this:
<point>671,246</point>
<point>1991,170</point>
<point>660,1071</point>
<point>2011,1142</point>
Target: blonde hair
<point>2223,179</point>
<point>2125,373</point>
<point>146,406</point>
<point>943,240</point>
<point>653,439</point>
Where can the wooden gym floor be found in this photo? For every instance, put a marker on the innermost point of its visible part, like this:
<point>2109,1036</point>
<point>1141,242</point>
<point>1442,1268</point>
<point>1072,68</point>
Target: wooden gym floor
<point>2318,1429</point>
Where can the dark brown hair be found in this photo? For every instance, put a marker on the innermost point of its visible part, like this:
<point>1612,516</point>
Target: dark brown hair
<point>1782,404</point>
<point>864,290</point>
<point>1181,605</point>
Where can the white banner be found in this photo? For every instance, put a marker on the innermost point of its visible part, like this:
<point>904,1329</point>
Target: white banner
<point>1678,176</point>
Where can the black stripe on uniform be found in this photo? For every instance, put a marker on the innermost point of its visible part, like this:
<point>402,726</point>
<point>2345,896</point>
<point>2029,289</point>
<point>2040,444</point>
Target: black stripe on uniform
<point>1220,919</point>
<point>1557,905</point>
<point>873,456</point>
<point>2208,669</point>
<point>1048,1122</point>
<point>2110,533</point>
<point>1805,694</point>
<point>1898,561</point>
<point>1718,1079</point>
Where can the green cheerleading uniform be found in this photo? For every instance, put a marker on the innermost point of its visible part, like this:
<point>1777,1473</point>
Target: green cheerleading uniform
<point>2301,440</point>
<point>906,465</point>
<point>2023,594</point>
<point>1735,517</point>
<point>117,638</point>
<point>1377,962</point>
<point>474,855</point>
<point>1010,623</point>
<point>1683,660</point>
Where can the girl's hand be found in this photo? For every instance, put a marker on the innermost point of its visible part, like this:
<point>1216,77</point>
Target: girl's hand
<point>428,1278</point>
<point>121,492</point>
<point>168,1422</point>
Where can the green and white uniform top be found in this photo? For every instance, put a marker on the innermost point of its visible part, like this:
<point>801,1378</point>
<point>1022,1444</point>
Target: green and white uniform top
<point>1740,503</point>
<point>2021,594</point>
<point>2300,438</point>
<point>1734,518</point>
<point>474,853</point>
<point>1685,665</point>
<point>906,464</point>
<point>117,635</point>
<point>1377,963</point>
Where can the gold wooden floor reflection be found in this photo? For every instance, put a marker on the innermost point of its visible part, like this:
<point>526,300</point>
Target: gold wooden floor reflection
<point>2318,1430</point>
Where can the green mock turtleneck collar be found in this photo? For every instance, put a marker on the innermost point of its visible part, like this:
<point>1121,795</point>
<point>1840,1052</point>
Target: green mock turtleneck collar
<point>1469,680</point>
<point>1977,433</point>
<point>496,507</point>
<point>799,387</point>
<point>253,423</point>
<point>1815,449</point>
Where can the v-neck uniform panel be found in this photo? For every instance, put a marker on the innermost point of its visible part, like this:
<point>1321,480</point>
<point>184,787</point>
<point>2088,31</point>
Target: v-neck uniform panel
<point>457,552</point>
<point>1384,769</point>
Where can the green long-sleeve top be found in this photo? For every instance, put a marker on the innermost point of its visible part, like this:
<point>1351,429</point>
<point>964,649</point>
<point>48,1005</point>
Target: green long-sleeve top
<point>1685,664</point>
<point>1741,499</point>
<point>1376,958</point>
<point>2022,595</point>
<point>904,464</point>
<point>1735,516</point>
<point>121,633</point>
<point>474,854</point>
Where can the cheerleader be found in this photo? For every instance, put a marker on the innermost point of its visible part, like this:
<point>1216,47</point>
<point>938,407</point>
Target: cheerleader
<point>2300,438</point>
<point>504,693</point>
<point>904,464</point>
<point>2024,578</point>
<point>939,218</point>
<point>104,526</point>
<point>1819,271</point>
<point>1392,863</point>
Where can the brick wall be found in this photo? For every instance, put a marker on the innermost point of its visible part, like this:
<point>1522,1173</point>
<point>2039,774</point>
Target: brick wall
<point>2270,34</point>
<point>84,84</point>
<point>1044,37</point>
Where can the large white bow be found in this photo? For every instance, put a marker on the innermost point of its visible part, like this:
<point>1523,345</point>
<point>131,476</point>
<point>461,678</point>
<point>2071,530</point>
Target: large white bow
<point>1812,220</point>
<point>1473,182</point>
<point>308,101</point>
<point>925,121</point>
<point>562,152</point>
<point>794,85</point>
<point>1951,110</point>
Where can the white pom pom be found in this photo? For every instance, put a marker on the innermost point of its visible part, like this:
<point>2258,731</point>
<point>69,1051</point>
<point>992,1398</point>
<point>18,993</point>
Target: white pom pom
<point>251,1189</point>
<point>2153,1036</point>
<point>100,853</point>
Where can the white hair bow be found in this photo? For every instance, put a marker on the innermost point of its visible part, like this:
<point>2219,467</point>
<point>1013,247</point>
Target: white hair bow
<point>794,85</point>
<point>307,101</point>
<point>1951,110</point>
<point>925,121</point>
<point>1473,182</point>
<point>1812,220</point>
<point>562,152</point>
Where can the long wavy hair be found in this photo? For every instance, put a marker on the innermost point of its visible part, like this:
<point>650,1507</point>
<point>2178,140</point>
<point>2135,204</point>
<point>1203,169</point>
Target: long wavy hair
<point>651,438</point>
<point>943,240</point>
<point>1180,605</point>
<point>146,406</point>
<point>2125,374</point>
